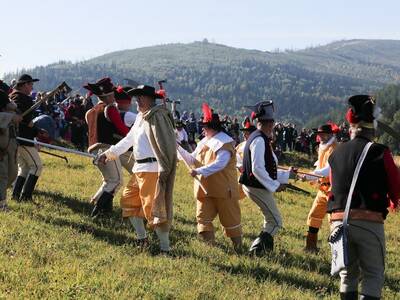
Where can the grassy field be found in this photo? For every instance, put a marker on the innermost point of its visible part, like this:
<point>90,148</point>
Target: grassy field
<point>52,249</point>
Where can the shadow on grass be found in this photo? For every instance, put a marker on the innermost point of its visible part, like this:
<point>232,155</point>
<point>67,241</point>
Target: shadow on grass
<point>75,204</point>
<point>262,274</point>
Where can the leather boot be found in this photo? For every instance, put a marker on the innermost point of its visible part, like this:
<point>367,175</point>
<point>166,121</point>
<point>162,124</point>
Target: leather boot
<point>18,185</point>
<point>349,296</point>
<point>311,242</point>
<point>29,187</point>
<point>262,244</point>
<point>103,204</point>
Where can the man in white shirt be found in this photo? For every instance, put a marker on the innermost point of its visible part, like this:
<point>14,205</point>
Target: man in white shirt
<point>260,177</point>
<point>149,193</point>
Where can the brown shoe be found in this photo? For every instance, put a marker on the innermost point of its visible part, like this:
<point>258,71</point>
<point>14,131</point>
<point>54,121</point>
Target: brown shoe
<point>311,242</point>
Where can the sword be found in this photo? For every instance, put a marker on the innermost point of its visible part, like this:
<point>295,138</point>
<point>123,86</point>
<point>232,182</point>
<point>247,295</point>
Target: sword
<point>55,155</point>
<point>58,148</point>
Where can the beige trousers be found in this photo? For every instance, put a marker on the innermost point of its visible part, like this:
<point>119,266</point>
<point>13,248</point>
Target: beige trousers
<point>29,161</point>
<point>266,202</point>
<point>366,258</point>
<point>112,173</point>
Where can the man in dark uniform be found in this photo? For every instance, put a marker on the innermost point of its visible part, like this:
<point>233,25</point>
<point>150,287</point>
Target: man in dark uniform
<point>29,162</point>
<point>377,188</point>
<point>105,129</point>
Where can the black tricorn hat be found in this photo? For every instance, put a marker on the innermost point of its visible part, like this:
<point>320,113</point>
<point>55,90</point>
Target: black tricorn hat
<point>103,87</point>
<point>25,78</point>
<point>144,90</point>
<point>326,128</point>
<point>361,109</point>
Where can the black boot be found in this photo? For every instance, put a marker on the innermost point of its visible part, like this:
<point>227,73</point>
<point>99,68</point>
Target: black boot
<point>349,296</point>
<point>18,185</point>
<point>29,187</point>
<point>264,243</point>
<point>103,205</point>
<point>366,297</point>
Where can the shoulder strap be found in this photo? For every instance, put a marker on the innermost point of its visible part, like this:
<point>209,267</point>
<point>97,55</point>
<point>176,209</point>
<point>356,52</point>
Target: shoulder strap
<point>354,181</point>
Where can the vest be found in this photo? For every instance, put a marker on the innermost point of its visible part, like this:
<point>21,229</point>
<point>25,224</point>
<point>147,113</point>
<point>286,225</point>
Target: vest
<point>100,129</point>
<point>323,156</point>
<point>247,177</point>
<point>371,189</point>
<point>222,184</point>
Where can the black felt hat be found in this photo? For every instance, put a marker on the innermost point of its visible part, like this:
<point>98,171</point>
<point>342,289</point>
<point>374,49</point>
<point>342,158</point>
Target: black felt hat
<point>144,90</point>
<point>25,78</point>
<point>326,128</point>
<point>103,87</point>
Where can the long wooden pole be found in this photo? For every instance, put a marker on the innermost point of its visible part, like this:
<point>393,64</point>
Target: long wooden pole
<point>303,173</point>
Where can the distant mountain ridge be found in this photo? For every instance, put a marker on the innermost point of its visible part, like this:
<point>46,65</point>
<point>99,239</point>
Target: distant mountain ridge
<point>303,83</point>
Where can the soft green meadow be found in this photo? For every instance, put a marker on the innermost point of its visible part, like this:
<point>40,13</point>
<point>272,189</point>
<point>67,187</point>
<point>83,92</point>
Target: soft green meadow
<point>52,248</point>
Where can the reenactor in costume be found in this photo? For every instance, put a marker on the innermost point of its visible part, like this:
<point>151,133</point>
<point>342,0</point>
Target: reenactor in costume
<point>318,210</point>
<point>29,162</point>
<point>149,193</point>
<point>247,129</point>
<point>124,103</point>
<point>8,144</point>
<point>106,128</point>
<point>261,178</point>
<point>214,160</point>
<point>376,189</point>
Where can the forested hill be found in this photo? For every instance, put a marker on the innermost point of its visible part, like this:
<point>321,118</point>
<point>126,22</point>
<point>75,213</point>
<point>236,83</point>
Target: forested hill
<point>303,83</point>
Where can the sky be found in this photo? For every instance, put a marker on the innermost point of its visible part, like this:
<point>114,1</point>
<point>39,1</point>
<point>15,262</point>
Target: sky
<point>46,31</point>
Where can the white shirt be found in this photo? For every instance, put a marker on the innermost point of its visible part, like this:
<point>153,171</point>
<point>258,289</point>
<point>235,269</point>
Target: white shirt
<point>129,119</point>
<point>239,160</point>
<point>325,170</point>
<point>137,139</point>
<point>214,143</point>
<point>257,149</point>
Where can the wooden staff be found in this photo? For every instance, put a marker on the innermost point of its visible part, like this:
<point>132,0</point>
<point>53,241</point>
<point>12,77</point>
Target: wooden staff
<point>302,173</point>
<point>195,178</point>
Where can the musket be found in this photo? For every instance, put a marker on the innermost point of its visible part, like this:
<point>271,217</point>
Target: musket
<point>389,130</point>
<point>50,94</point>
<point>303,173</point>
<point>59,148</point>
<point>55,155</point>
<point>296,188</point>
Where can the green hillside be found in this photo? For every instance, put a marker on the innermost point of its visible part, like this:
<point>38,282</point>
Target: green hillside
<point>303,83</point>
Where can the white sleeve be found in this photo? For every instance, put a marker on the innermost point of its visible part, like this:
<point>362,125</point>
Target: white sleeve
<point>185,136</point>
<point>257,149</point>
<point>323,172</point>
<point>239,161</point>
<point>121,147</point>
<point>283,176</point>
<point>186,156</point>
<point>221,161</point>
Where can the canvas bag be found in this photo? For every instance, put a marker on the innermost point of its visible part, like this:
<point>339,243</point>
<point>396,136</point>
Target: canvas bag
<point>338,237</point>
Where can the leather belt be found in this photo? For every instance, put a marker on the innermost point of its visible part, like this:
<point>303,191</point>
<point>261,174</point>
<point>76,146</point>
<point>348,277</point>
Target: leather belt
<point>358,214</point>
<point>146,160</point>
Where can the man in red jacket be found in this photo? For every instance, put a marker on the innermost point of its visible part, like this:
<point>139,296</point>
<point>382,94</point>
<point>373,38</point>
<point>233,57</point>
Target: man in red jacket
<point>105,129</point>
<point>376,189</point>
